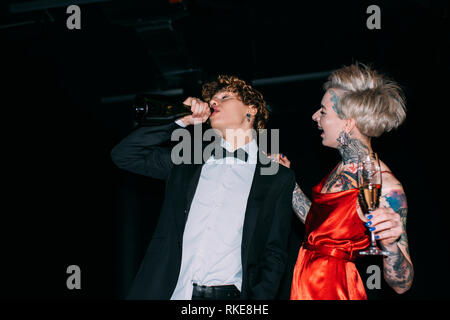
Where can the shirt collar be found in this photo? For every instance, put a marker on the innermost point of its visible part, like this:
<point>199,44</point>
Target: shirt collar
<point>251,148</point>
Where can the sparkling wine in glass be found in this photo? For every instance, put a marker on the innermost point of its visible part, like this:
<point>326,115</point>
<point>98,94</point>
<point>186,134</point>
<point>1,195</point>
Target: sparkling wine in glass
<point>369,183</point>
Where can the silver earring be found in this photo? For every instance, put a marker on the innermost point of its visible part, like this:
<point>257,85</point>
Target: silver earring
<point>248,117</point>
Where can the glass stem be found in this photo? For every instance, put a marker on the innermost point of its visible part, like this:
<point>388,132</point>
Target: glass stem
<point>373,243</point>
<point>372,239</point>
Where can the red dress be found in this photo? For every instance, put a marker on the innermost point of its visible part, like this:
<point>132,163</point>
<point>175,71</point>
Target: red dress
<point>334,234</point>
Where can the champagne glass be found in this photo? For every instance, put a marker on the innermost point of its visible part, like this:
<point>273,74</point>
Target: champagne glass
<point>369,183</point>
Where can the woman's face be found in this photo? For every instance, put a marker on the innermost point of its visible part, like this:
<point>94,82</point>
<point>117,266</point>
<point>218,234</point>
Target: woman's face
<point>328,120</point>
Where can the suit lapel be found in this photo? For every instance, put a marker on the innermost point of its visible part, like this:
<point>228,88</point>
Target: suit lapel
<point>260,185</point>
<point>193,178</point>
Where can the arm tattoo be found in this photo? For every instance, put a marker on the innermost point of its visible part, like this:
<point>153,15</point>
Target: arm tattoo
<point>397,201</point>
<point>300,203</point>
<point>398,270</point>
<point>404,238</point>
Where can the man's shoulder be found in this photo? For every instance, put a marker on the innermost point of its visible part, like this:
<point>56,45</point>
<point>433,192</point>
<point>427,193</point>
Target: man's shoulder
<point>287,173</point>
<point>282,175</point>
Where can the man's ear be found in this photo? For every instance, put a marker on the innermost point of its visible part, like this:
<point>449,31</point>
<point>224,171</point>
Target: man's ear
<point>252,110</point>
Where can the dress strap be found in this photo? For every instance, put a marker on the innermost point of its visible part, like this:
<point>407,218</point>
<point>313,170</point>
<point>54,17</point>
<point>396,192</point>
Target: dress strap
<point>386,171</point>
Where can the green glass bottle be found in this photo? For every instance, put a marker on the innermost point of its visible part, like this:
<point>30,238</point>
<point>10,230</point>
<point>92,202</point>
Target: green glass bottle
<point>152,109</point>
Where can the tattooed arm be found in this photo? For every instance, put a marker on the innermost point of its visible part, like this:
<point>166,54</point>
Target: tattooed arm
<point>300,203</point>
<point>390,226</point>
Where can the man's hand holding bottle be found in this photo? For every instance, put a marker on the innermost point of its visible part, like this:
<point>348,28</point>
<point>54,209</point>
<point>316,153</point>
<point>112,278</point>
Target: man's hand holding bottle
<point>200,111</point>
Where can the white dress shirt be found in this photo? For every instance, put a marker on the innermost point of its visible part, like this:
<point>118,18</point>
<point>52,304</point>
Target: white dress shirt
<point>211,253</point>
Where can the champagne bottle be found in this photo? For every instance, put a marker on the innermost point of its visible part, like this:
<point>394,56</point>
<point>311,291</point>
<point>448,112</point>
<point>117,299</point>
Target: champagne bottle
<point>152,110</point>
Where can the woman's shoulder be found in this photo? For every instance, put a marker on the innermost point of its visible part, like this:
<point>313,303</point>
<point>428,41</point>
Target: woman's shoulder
<point>390,181</point>
<point>388,178</point>
<point>392,192</point>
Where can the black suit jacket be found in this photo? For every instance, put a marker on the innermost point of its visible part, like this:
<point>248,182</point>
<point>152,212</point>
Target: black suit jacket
<point>266,223</point>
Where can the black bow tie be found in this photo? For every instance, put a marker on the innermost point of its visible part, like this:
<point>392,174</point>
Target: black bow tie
<point>240,154</point>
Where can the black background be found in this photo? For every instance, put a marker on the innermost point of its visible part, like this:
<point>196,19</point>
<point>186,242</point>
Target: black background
<point>65,203</point>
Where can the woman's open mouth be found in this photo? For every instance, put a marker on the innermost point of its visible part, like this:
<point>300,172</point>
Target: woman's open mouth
<point>323,133</point>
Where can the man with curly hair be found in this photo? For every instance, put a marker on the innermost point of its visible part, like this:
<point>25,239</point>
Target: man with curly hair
<point>224,226</point>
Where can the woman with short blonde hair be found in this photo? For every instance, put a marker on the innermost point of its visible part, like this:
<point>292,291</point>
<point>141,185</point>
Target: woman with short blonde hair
<point>375,102</point>
<point>358,104</point>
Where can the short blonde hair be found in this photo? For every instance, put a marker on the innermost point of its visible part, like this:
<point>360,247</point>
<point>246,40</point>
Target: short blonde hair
<point>375,102</point>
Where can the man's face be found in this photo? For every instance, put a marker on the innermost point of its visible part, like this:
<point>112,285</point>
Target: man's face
<point>229,111</point>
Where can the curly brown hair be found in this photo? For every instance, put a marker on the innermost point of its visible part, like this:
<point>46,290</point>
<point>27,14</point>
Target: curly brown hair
<point>245,92</point>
